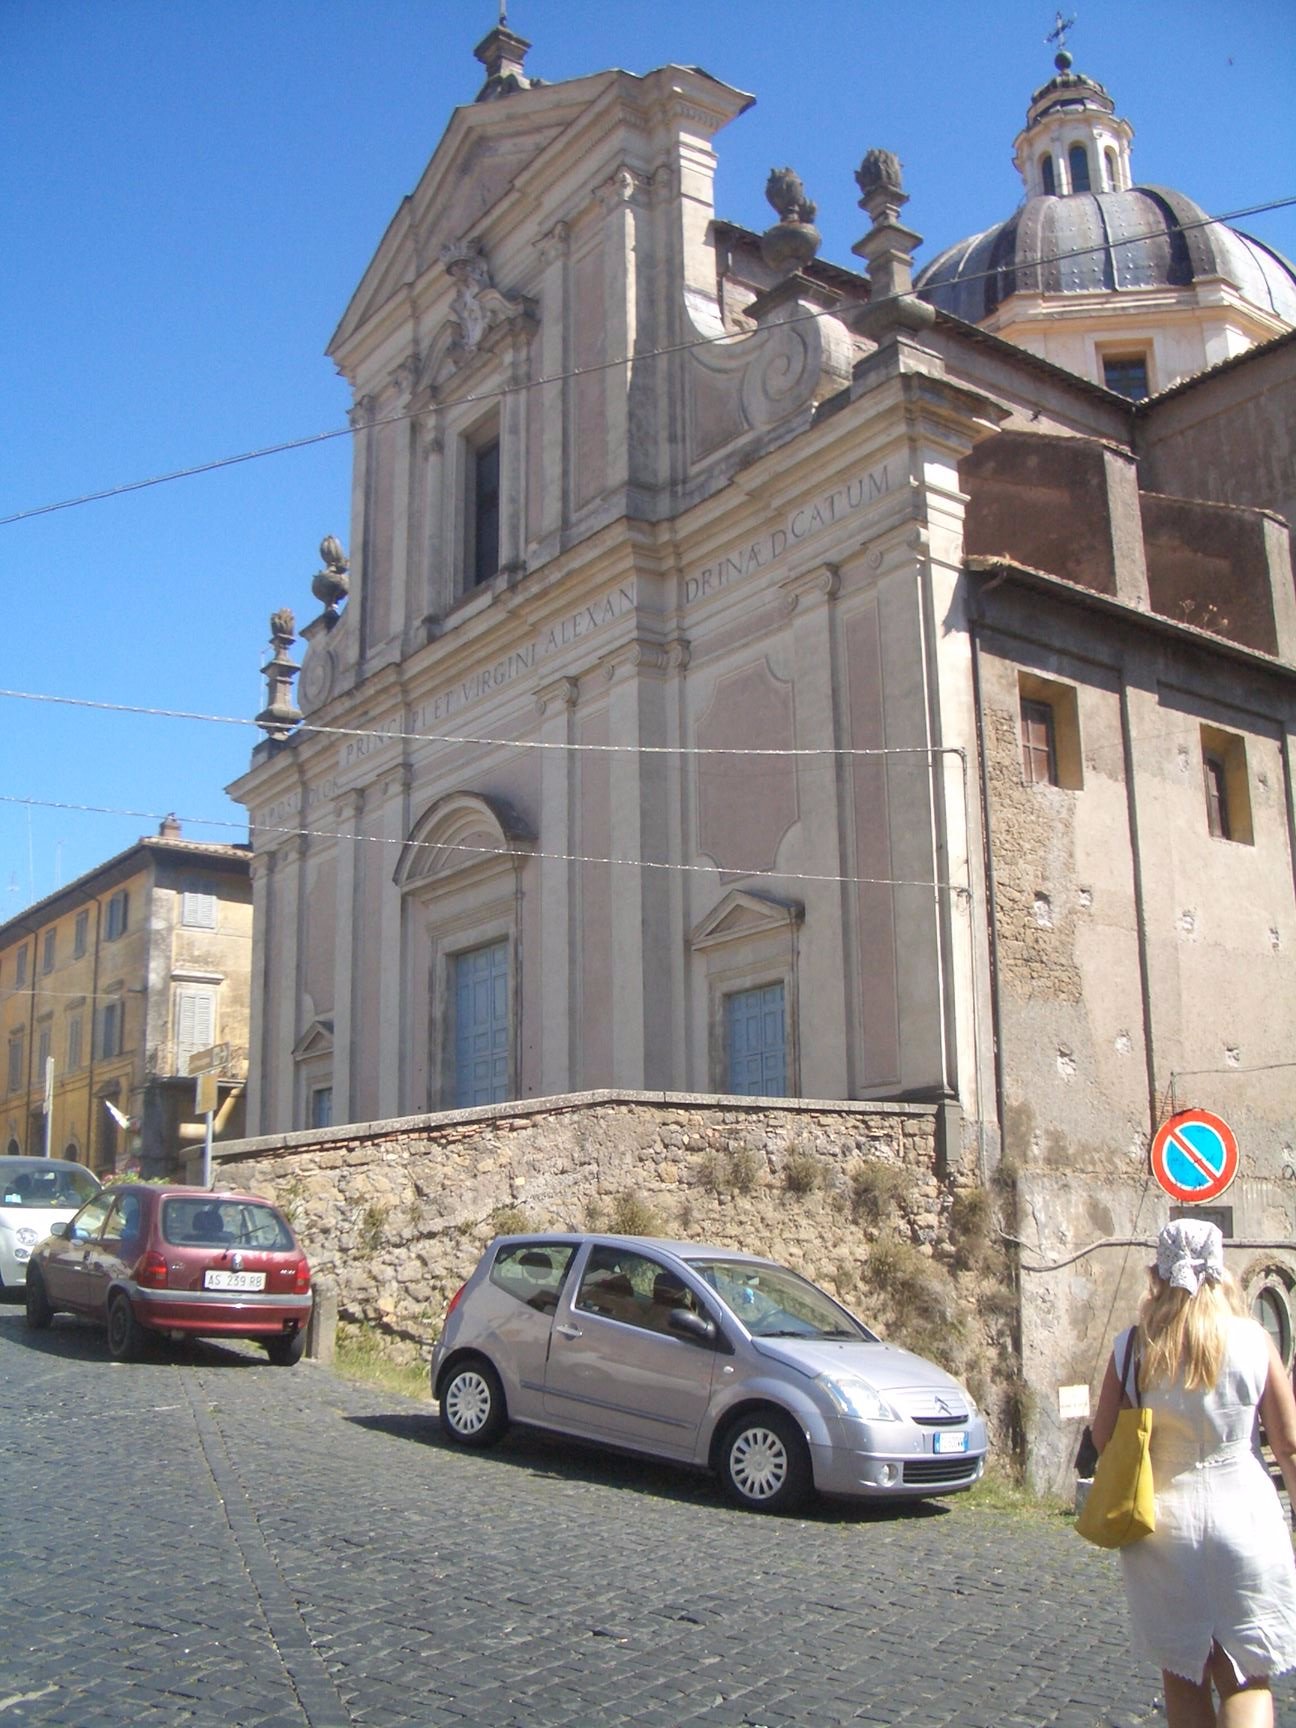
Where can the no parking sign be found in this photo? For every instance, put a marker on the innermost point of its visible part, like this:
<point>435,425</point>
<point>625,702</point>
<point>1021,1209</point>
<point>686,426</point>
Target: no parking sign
<point>1194,1156</point>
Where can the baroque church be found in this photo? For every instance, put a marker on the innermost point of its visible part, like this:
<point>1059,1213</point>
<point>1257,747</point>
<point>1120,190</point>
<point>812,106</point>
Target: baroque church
<point>756,677</point>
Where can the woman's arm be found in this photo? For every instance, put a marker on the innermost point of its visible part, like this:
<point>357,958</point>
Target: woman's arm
<point>1110,1400</point>
<point>1278,1413</point>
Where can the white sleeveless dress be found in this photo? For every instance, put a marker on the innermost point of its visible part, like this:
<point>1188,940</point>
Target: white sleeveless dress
<point>1219,1565</point>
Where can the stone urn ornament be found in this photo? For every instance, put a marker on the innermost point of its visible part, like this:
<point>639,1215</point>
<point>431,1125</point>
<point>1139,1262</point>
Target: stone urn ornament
<point>793,240</point>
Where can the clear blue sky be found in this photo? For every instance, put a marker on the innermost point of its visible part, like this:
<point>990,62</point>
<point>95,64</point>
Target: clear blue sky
<point>192,191</point>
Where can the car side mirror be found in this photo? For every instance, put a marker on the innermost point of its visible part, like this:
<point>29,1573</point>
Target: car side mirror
<point>695,1326</point>
<point>60,1229</point>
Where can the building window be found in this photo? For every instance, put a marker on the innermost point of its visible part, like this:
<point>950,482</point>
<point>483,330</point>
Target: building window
<point>1049,175</point>
<point>14,1076</point>
<point>198,909</point>
<point>79,933</point>
<point>49,948</point>
<point>1050,733</point>
<point>1226,785</point>
<point>195,1024</point>
<point>1270,1308</point>
<point>1078,161</point>
<point>1113,170</point>
<point>1126,374</point>
<point>110,1029</point>
<point>44,1045</point>
<point>1039,747</point>
<point>117,913</point>
<point>320,1111</point>
<point>484,505</point>
<point>74,1042</point>
<point>20,975</point>
<point>481,1045</point>
<point>756,1041</point>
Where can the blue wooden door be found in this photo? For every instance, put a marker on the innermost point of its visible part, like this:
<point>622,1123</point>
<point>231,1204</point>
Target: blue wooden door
<point>481,1026</point>
<point>756,1041</point>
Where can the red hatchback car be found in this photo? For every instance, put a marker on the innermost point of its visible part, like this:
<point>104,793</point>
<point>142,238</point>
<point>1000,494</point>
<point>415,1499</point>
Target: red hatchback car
<point>179,1263</point>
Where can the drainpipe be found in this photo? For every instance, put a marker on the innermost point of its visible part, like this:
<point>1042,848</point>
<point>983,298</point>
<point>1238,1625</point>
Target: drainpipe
<point>94,1015</point>
<point>975,620</point>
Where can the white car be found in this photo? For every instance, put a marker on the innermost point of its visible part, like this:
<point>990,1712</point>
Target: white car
<point>35,1194</point>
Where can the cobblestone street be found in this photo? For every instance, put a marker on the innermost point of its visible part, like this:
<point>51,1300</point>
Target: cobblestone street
<point>209,1542</point>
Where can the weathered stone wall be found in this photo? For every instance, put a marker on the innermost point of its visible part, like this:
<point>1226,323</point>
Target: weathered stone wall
<point>395,1214</point>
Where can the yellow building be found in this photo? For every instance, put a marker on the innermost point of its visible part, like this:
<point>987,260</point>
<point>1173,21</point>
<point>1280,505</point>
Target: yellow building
<point>108,987</point>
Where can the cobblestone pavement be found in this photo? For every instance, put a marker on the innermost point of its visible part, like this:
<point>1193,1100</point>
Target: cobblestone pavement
<point>205,1541</point>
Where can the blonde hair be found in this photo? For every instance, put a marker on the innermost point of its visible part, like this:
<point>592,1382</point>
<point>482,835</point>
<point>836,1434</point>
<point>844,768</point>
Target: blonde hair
<point>1181,1335</point>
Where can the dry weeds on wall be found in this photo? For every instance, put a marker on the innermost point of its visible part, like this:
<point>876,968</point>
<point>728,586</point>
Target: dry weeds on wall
<point>397,1218</point>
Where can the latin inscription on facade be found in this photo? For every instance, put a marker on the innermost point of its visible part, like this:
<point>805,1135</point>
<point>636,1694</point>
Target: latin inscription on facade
<point>802,524</point>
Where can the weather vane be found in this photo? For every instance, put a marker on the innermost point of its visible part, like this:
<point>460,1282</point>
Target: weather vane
<point>1057,34</point>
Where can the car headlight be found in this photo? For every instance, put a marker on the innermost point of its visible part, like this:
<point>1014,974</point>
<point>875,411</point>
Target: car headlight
<point>857,1398</point>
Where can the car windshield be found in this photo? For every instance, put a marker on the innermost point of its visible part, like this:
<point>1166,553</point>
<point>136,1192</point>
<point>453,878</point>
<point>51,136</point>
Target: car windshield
<point>35,1183</point>
<point>775,1302</point>
<point>214,1220</point>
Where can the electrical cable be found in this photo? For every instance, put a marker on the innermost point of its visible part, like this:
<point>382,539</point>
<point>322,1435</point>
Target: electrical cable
<point>481,396</point>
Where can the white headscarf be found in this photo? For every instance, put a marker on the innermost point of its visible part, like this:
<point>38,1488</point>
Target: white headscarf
<point>1188,1251</point>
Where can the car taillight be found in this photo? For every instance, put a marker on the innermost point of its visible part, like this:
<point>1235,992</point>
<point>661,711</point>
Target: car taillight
<point>454,1300</point>
<point>301,1275</point>
<point>152,1271</point>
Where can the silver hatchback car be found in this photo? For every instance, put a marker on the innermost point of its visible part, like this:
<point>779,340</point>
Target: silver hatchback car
<point>720,1360</point>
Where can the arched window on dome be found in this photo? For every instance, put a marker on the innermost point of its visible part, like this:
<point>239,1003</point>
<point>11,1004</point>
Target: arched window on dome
<point>1078,162</point>
<point>1048,174</point>
<point>1112,164</point>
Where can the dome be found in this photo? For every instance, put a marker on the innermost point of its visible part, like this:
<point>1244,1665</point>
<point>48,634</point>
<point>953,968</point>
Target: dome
<point>1091,242</point>
<point>1118,264</point>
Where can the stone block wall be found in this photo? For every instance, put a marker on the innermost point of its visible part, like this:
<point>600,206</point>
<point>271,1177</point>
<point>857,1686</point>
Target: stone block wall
<point>395,1214</point>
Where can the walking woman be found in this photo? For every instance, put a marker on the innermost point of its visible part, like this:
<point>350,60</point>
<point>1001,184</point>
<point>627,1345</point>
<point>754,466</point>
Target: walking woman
<point>1212,1592</point>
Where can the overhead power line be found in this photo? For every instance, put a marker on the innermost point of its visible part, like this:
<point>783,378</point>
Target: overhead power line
<point>283,446</point>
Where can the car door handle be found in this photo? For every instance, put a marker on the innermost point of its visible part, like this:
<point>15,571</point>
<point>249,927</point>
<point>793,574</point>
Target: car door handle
<point>569,1331</point>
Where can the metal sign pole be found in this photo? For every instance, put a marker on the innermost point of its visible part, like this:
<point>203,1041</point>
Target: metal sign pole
<point>207,1151</point>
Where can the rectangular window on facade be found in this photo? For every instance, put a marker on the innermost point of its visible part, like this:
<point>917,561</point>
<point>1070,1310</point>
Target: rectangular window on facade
<point>1039,746</point>
<point>484,509</point>
<point>756,1042</point>
<point>44,1049</point>
<point>198,909</point>
<point>20,963</point>
<point>111,1018</point>
<point>480,981</point>
<point>74,1042</point>
<point>49,948</point>
<point>79,933</point>
<point>14,1072</point>
<point>1049,720</point>
<point>117,913</point>
<point>195,1024</point>
<point>320,1109</point>
<point>1127,375</point>
<point>1227,786</point>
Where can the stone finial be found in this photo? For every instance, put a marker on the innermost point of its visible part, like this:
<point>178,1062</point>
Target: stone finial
<point>502,53</point>
<point>169,827</point>
<point>280,713</point>
<point>881,181</point>
<point>888,247</point>
<point>793,240</point>
<point>332,584</point>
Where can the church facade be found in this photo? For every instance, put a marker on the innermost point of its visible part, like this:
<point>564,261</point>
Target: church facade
<point>753,678</point>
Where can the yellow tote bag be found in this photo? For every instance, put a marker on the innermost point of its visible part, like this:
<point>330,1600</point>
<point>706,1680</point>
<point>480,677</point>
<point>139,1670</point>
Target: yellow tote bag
<point>1121,1506</point>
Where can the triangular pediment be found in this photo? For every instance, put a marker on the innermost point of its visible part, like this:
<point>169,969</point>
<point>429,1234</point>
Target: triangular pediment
<point>485,150</point>
<point>316,1040</point>
<point>741,915</point>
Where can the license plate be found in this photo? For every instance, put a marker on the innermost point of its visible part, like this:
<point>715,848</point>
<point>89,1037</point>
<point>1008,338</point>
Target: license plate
<point>233,1280</point>
<point>951,1442</point>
